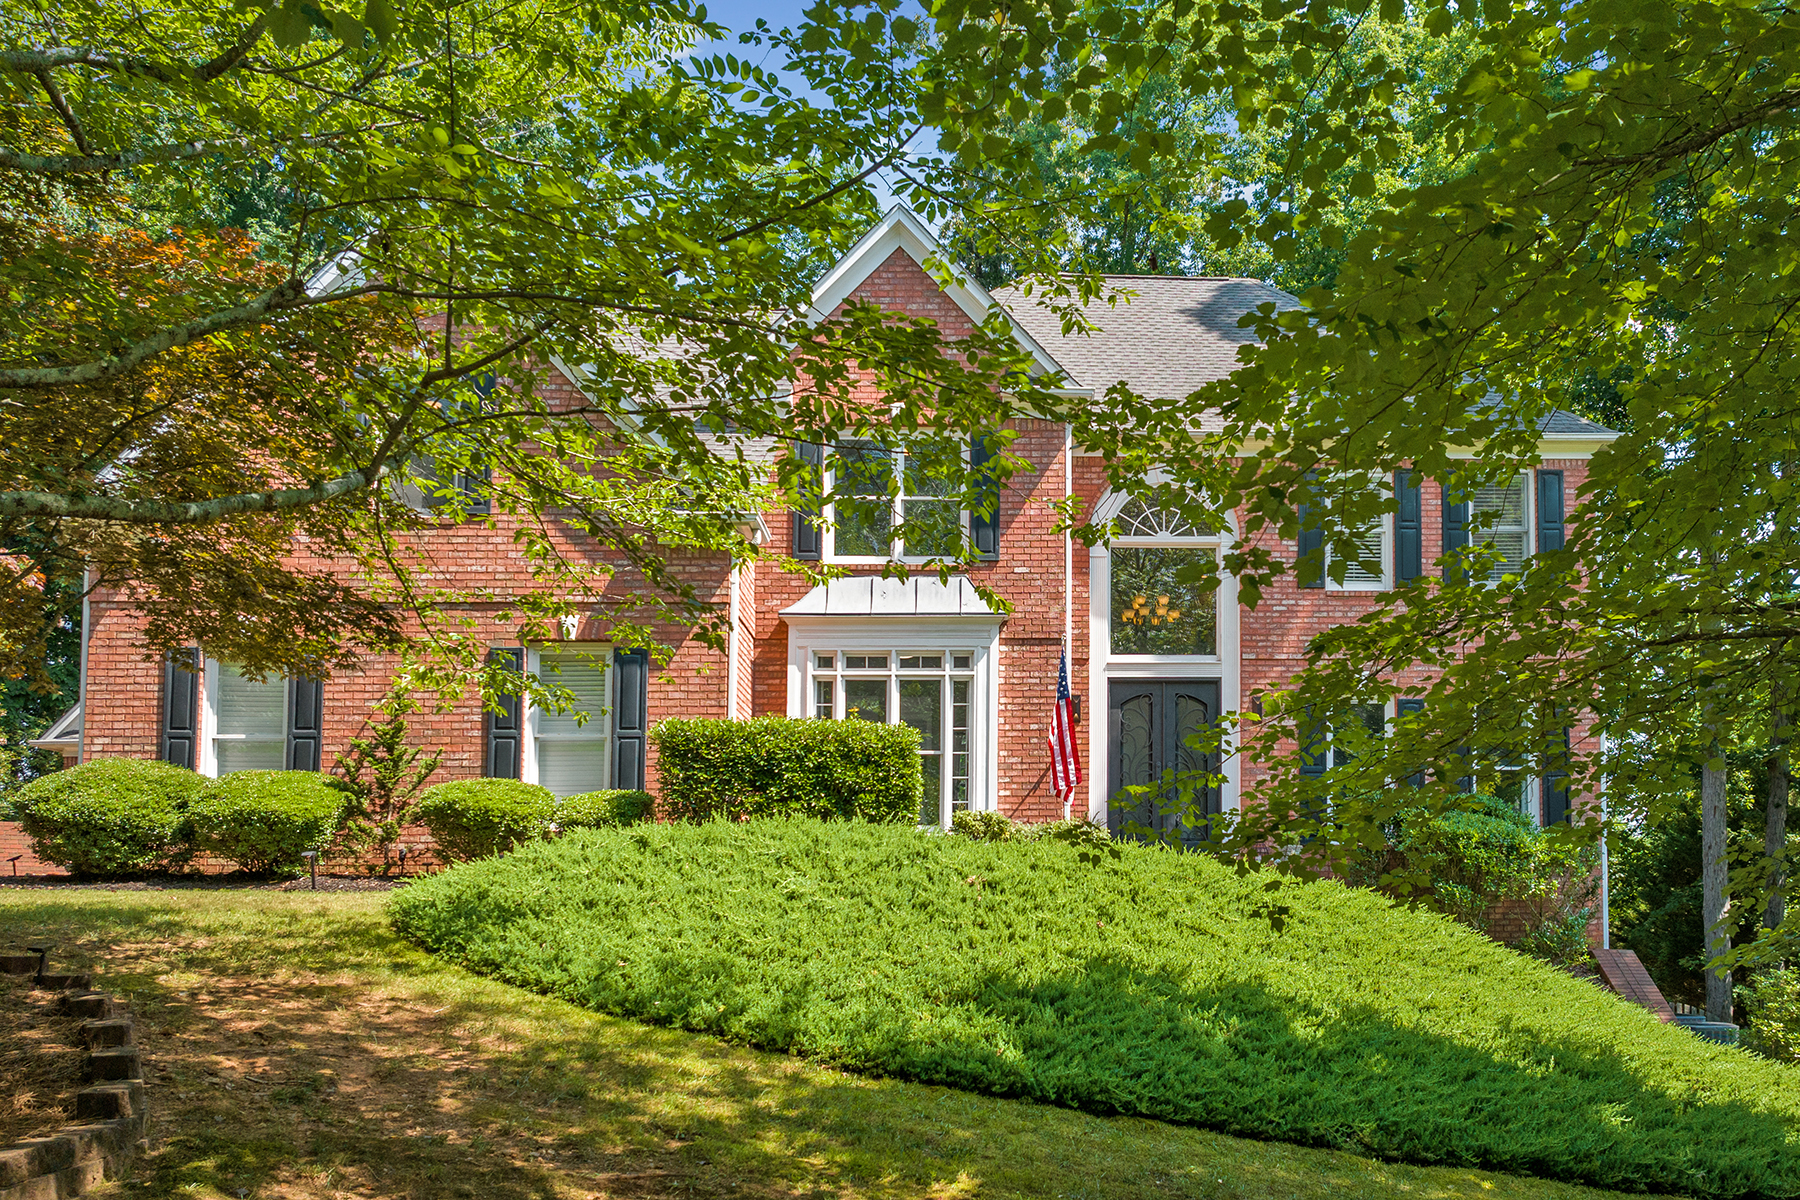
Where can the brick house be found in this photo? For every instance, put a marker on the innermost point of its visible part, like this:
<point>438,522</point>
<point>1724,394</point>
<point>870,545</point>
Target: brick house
<point>978,683</point>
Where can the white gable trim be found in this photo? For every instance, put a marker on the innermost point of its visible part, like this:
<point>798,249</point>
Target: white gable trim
<point>65,735</point>
<point>901,229</point>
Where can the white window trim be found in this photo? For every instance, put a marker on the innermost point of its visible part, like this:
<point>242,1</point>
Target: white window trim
<point>896,514</point>
<point>1104,666</point>
<point>208,758</point>
<point>978,637</point>
<point>528,749</point>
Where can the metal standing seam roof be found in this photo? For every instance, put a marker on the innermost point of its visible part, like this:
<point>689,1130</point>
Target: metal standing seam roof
<point>872,596</point>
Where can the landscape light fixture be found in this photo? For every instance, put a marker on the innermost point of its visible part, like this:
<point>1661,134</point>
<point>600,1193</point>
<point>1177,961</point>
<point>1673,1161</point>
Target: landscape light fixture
<point>403,860</point>
<point>43,953</point>
<point>312,861</point>
<point>14,860</point>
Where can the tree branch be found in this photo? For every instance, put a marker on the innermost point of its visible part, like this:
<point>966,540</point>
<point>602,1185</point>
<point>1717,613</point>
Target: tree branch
<point>61,104</point>
<point>88,163</point>
<point>34,61</point>
<point>291,294</point>
<point>161,512</point>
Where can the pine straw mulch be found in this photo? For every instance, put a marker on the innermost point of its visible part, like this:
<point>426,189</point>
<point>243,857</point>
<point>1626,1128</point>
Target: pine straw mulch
<point>41,1062</point>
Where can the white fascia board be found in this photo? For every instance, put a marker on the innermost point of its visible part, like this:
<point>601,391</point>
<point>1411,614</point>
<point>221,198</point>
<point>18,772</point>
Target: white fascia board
<point>65,734</point>
<point>901,229</point>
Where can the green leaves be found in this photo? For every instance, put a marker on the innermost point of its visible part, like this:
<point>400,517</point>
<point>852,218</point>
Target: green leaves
<point>381,20</point>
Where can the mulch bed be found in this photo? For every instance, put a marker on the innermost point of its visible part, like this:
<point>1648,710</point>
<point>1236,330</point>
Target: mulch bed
<point>41,1062</point>
<point>214,883</point>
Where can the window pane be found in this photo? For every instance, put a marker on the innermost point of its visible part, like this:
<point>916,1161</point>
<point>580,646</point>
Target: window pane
<point>267,755</point>
<point>1507,532</point>
<point>1154,611</point>
<point>252,709</point>
<point>959,745</point>
<point>823,698</point>
<point>922,662</point>
<point>961,662</point>
<point>825,662</point>
<point>922,707</point>
<point>930,812</point>
<point>570,767</point>
<point>866,699</point>
<point>865,662</point>
<point>934,528</point>
<point>582,676</point>
<point>1371,548</point>
<point>864,527</point>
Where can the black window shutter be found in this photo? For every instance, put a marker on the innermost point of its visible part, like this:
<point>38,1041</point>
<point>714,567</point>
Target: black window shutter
<point>1556,786</point>
<point>473,486</point>
<point>306,723</point>
<point>1309,558</point>
<point>1456,529</point>
<point>1315,742</point>
<point>631,703</point>
<point>1549,511</point>
<point>505,728</point>
<point>1409,529</point>
<point>1406,706</point>
<point>984,520</point>
<point>180,708</point>
<point>807,542</point>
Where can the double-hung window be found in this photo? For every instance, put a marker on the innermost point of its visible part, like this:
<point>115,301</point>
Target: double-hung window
<point>569,749</point>
<point>877,489</point>
<point>1369,567</point>
<point>249,721</point>
<point>1508,531</point>
<point>932,691</point>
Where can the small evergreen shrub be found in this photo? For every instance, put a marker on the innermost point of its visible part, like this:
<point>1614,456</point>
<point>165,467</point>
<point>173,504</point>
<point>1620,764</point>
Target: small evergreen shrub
<point>380,776</point>
<point>477,818</point>
<point>265,820</point>
<point>777,766</point>
<point>1771,1000</point>
<point>985,826</point>
<point>604,809</point>
<point>1155,983</point>
<point>111,816</point>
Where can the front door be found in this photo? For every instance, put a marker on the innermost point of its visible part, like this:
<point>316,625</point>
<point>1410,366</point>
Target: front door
<point>1148,726</point>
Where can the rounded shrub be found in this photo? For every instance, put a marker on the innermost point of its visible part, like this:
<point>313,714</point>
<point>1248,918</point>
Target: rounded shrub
<point>604,809</point>
<point>111,816</point>
<point>476,818</point>
<point>265,820</point>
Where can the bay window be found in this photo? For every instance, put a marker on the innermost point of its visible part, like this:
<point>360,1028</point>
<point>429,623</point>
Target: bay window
<point>932,691</point>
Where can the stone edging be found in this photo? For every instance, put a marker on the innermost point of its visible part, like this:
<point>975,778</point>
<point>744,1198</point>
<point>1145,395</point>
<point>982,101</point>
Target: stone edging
<point>113,1120</point>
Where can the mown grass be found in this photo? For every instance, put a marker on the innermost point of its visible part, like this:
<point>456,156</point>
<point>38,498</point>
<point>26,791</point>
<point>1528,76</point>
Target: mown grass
<point>1156,985</point>
<point>297,1048</point>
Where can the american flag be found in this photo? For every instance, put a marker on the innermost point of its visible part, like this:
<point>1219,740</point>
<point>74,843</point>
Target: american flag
<point>1065,754</point>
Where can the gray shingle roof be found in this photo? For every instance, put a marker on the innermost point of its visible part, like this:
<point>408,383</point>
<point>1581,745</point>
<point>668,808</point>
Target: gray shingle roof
<point>1176,334</point>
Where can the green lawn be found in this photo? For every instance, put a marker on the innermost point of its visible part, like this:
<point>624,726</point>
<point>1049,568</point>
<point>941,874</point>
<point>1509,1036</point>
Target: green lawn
<point>298,1049</point>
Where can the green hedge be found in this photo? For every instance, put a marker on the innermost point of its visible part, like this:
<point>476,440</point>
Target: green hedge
<point>603,810</point>
<point>1153,983</point>
<point>477,818</point>
<point>776,766</point>
<point>265,820</point>
<point>110,816</point>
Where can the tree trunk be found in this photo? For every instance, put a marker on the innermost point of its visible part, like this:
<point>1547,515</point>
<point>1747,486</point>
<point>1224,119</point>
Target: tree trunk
<point>1713,879</point>
<point>1775,820</point>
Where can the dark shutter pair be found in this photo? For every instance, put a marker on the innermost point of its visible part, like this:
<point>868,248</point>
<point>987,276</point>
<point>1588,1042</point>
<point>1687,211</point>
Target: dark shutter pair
<point>1550,518</point>
<point>1409,544</point>
<point>181,715</point>
<point>505,728</point>
<point>984,518</point>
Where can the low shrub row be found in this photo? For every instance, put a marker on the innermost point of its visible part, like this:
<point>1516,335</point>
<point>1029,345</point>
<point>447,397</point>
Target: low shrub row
<point>127,816</point>
<point>1146,982</point>
<point>130,816</point>
<point>476,818</point>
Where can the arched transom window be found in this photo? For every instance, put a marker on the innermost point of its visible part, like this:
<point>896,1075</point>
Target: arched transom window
<point>1164,601</point>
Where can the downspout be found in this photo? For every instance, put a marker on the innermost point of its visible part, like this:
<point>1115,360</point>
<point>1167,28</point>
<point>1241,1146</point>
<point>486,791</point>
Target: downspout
<point>81,683</point>
<point>1069,577</point>
<point>1605,865</point>
<point>731,646</point>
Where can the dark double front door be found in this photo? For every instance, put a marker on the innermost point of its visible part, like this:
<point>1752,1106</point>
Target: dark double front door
<point>1149,725</point>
